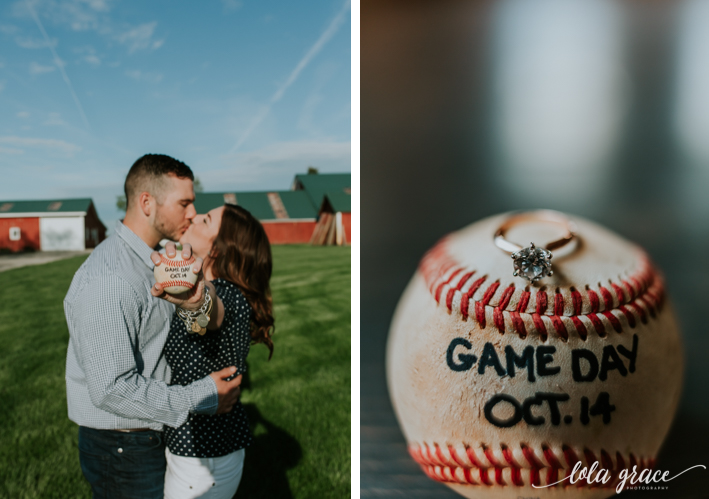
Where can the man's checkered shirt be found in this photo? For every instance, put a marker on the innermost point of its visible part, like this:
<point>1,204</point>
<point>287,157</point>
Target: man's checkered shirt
<point>116,374</point>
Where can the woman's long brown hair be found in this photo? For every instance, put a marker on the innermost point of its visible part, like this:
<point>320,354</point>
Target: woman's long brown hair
<point>243,256</point>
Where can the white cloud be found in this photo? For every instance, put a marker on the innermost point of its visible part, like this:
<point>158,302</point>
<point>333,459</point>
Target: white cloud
<point>232,5</point>
<point>54,119</point>
<point>149,77</point>
<point>28,42</point>
<point>280,160</point>
<point>9,29</point>
<point>79,15</point>
<point>306,119</point>
<point>23,114</point>
<point>97,5</point>
<point>296,150</point>
<point>140,38</point>
<point>10,150</point>
<point>92,59</point>
<point>314,50</point>
<point>60,146</point>
<point>83,15</point>
<point>37,69</point>
<point>88,54</point>
<point>58,62</point>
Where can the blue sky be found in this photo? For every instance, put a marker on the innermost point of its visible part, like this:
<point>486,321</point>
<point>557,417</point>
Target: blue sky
<point>248,93</point>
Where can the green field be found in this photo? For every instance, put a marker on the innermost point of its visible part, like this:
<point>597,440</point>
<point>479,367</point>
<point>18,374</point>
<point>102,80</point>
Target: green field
<point>298,403</point>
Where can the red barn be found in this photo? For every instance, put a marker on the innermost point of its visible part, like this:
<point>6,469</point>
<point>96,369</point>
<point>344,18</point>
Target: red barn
<point>288,217</point>
<point>50,225</point>
<point>334,225</point>
<point>330,193</point>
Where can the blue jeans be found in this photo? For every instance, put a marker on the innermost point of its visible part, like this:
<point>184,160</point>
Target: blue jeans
<point>123,465</point>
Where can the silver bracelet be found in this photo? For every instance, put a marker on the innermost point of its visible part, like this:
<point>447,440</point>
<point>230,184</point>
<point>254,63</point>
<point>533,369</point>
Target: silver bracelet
<point>197,321</point>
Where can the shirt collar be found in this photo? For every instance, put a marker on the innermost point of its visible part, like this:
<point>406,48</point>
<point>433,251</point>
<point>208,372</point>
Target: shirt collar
<point>135,243</point>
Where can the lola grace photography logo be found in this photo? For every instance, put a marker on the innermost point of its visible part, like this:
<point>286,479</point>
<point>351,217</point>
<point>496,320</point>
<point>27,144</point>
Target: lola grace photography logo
<point>629,478</point>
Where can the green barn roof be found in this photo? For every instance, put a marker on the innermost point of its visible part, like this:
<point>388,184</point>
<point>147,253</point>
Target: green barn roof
<point>264,205</point>
<point>340,201</point>
<point>317,185</point>
<point>45,206</point>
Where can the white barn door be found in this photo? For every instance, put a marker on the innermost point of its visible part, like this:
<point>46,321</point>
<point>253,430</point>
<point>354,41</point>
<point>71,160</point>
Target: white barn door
<point>61,234</point>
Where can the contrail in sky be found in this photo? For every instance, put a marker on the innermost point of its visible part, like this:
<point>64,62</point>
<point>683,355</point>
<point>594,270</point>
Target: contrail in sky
<point>58,62</point>
<point>317,47</point>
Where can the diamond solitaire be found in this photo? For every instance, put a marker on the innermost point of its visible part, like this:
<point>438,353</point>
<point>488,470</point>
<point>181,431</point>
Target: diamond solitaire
<point>532,263</point>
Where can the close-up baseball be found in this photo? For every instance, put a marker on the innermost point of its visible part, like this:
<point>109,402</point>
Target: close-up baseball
<point>175,274</point>
<point>505,372</point>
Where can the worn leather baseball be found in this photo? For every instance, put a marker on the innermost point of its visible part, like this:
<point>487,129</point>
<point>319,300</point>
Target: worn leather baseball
<point>175,274</point>
<point>500,385</point>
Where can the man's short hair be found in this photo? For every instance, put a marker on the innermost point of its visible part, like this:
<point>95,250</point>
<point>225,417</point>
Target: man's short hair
<point>148,174</point>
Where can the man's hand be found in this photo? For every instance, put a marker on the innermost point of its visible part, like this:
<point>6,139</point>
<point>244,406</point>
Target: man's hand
<point>228,391</point>
<point>190,300</point>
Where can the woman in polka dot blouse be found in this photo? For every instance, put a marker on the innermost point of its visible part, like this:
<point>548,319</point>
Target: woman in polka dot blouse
<point>205,456</point>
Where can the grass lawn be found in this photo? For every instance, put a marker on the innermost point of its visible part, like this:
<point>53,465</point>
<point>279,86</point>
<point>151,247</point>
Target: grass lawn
<point>298,403</point>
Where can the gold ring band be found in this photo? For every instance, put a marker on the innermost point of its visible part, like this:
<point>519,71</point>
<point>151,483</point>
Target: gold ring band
<point>534,263</point>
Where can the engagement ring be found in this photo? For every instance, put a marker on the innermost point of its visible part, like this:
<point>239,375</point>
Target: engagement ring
<point>533,262</point>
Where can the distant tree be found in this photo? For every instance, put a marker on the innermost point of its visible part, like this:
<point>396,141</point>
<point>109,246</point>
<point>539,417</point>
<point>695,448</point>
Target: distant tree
<point>121,202</point>
<point>312,170</point>
<point>198,185</point>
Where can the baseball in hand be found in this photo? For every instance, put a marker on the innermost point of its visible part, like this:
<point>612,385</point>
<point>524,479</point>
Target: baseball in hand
<point>501,385</point>
<point>175,274</point>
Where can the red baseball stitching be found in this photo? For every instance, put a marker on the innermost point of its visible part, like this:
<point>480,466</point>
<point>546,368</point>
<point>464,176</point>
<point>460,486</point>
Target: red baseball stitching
<point>175,263</point>
<point>501,466</point>
<point>169,284</point>
<point>612,307</point>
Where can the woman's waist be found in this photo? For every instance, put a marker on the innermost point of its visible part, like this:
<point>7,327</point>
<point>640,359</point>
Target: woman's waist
<point>226,420</point>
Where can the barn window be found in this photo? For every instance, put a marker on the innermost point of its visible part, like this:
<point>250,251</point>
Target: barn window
<point>15,234</point>
<point>94,235</point>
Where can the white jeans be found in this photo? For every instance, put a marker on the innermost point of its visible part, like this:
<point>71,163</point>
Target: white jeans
<point>203,477</point>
